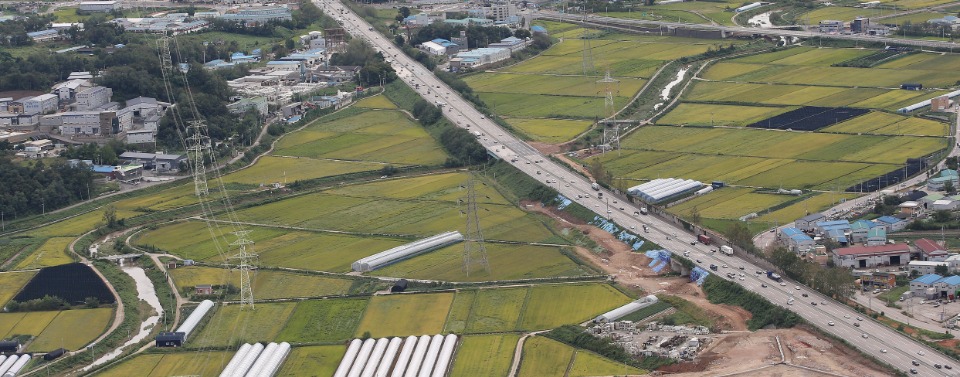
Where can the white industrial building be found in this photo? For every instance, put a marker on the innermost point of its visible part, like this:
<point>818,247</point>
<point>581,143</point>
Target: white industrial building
<point>42,104</point>
<point>872,256</point>
<point>98,6</point>
<point>625,310</point>
<point>925,267</point>
<point>809,222</point>
<point>402,252</point>
<point>92,98</point>
<point>258,15</point>
<point>661,189</point>
<point>426,356</point>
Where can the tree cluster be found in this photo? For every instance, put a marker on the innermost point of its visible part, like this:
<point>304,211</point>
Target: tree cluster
<point>14,32</point>
<point>835,282</point>
<point>477,36</point>
<point>96,31</point>
<point>374,68</point>
<point>105,155</point>
<point>41,304</point>
<point>720,291</point>
<point>32,189</point>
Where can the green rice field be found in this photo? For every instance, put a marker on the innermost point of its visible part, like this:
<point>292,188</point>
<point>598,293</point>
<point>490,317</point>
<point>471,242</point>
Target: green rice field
<point>312,361</point>
<point>530,308</point>
<point>229,325</point>
<point>72,329</point>
<point>507,262</point>
<point>385,136</point>
<point>547,357</point>
<point>484,355</point>
<point>267,283</point>
<point>323,321</point>
<point>53,252</point>
<point>403,315</point>
<point>284,170</point>
<point>550,130</point>
<point>11,283</point>
<point>168,364</point>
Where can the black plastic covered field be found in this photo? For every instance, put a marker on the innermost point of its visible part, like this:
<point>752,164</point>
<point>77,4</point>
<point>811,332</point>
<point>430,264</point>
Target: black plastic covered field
<point>71,282</point>
<point>913,166</point>
<point>809,118</point>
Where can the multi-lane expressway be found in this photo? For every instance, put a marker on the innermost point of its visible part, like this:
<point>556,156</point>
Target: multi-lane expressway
<point>600,21</point>
<point>900,350</point>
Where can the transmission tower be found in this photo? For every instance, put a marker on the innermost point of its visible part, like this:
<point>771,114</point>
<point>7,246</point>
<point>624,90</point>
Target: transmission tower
<point>587,56</point>
<point>611,129</point>
<point>195,137</point>
<point>474,251</point>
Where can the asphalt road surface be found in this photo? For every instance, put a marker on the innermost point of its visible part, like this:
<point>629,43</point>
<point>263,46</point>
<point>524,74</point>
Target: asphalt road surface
<point>901,350</point>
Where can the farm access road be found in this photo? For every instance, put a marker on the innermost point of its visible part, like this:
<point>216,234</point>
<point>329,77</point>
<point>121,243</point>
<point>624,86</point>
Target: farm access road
<point>869,338</point>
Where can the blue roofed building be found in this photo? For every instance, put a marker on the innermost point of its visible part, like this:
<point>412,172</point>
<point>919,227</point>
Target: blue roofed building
<point>537,29</point>
<point>859,230</point>
<point>876,236</point>
<point>891,224</point>
<point>440,46</point>
<point>478,57</point>
<point>920,285</point>
<point>239,57</point>
<point>947,287</point>
<point>802,243</point>
<point>44,35</point>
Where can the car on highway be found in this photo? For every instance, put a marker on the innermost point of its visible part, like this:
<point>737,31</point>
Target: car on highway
<point>724,266</point>
<point>883,350</point>
<point>913,371</point>
<point>856,324</point>
<point>938,366</point>
<point>782,284</point>
<point>831,323</point>
<point>797,287</point>
<point>864,336</point>
<point>859,318</point>
<point>813,303</point>
<point>915,363</point>
<point>762,285</point>
<point>804,294</point>
<point>920,353</point>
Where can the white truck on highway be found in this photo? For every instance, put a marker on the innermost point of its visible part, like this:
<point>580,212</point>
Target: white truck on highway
<point>595,186</point>
<point>726,250</point>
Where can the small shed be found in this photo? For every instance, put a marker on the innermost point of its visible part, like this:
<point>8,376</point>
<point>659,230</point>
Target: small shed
<point>171,265</point>
<point>9,346</point>
<point>54,354</point>
<point>203,289</point>
<point>170,339</point>
<point>399,286</point>
<point>911,86</point>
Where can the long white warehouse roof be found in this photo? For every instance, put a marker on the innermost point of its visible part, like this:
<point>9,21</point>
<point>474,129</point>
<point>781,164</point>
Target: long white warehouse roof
<point>401,252</point>
<point>622,311</point>
<point>191,322</point>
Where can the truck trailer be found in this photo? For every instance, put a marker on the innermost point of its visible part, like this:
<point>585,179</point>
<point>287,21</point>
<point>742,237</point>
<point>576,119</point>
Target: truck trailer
<point>726,250</point>
<point>773,276</point>
<point>704,239</point>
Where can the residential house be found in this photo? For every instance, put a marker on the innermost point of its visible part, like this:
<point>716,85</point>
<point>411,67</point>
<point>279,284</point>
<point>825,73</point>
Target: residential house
<point>875,280</point>
<point>203,289</point>
<point>808,223</point>
<point>910,208</point>
<point>920,285</point>
<point>872,256</point>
